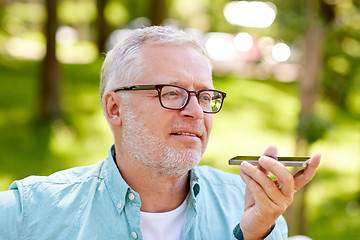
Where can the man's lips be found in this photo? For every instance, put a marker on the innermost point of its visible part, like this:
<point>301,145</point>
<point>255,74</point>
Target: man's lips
<point>187,133</point>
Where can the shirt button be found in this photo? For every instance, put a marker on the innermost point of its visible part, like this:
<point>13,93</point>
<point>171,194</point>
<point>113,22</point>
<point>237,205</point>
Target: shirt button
<point>131,196</point>
<point>134,234</point>
<point>119,205</point>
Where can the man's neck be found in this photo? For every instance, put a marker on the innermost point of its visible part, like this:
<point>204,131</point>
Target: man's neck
<point>158,193</point>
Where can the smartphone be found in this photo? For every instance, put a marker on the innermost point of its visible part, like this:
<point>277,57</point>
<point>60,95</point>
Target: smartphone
<point>287,161</point>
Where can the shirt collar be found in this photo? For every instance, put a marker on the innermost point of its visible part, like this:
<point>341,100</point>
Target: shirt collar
<point>194,183</point>
<point>119,189</point>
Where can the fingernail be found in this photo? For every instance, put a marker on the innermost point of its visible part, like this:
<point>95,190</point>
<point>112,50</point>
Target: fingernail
<point>245,165</point>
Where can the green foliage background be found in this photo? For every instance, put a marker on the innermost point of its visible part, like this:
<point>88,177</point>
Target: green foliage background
<point>256,113</point>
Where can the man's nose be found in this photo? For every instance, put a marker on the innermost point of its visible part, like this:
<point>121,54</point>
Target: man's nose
<point>193,108</point>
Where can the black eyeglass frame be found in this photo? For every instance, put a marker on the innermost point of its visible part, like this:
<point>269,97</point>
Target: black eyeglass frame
<point>158,87</point>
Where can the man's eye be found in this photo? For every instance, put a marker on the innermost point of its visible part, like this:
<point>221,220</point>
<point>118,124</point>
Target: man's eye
<point>169,94</point>
<point>205,98</point>
<point>173,93</point>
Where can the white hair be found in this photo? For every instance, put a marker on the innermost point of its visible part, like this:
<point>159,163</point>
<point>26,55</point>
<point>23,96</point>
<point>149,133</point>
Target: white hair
<point>124,62</point>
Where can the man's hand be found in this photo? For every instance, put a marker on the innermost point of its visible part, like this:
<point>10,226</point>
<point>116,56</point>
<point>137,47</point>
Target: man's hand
<point>266,199</point>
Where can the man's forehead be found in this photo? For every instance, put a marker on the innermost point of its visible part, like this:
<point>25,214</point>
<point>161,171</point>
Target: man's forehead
<point>150,47</point>
<point>171,53</point>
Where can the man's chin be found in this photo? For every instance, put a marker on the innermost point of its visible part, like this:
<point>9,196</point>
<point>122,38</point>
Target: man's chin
<point>178,163</point>
<point>179,145</point>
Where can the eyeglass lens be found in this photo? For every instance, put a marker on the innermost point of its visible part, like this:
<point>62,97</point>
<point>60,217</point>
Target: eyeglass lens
<point>176,98</point>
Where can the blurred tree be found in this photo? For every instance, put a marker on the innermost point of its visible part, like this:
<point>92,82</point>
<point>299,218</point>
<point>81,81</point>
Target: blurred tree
<point>137,8</point>
<point>102,27</point>
<point>50,80</point>
<point>2,6</point>
<point>341,79</point>
<point>321,16</point>
<point>312,25</point>
<point>218,22</point>
<point>157,11</point>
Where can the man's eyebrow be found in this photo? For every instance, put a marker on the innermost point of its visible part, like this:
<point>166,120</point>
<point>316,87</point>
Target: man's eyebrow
<point>181,84</point>
<point>206,87</point>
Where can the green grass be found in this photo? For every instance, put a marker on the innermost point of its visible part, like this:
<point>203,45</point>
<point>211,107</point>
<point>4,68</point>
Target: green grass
<point>255,114</point>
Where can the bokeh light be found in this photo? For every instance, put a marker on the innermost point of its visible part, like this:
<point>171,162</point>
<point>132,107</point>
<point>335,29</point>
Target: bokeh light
<point>281,52</point>
<point>243,42</point>
<point>85,11</point>
<point>66,35</point>
<point>116,14</point>
<point>220,46</point>
<point>250,14</point>
<point>25,48</point>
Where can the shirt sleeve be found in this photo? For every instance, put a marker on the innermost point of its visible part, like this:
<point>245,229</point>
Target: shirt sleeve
<point>280,231</point>
<point>11,215</point>
<point>238,233</point>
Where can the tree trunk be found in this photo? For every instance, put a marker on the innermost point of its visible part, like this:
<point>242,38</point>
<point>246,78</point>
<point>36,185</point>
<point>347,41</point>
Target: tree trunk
<point>101,26</point>
<point>157,13</point>
<point>50,79</point>
<point>309,89</point>
<point>313,62</point>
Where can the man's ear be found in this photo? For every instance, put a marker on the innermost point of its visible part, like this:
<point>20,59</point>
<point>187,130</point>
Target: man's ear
<point>113,108</point>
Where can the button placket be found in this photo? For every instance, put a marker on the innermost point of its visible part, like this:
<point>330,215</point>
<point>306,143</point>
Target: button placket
<point>131,196</point>
<point>132,207</point>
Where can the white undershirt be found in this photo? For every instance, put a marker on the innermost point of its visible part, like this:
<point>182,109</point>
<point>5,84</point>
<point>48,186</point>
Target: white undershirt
<point>166,225</point>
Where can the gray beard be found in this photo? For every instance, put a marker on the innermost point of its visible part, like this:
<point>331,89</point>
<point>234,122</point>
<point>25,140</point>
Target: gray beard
<point>147,150</point>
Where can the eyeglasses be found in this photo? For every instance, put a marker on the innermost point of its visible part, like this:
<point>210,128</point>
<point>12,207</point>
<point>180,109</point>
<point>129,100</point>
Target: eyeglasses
<point>176,97</point>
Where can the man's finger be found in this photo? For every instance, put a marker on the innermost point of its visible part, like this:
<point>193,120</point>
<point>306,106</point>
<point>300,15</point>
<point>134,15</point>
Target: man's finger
<point>264,185</point>
<point>258,193</point>
<point>304,176</point>
<point>270,151</point>
<point>285,180</point>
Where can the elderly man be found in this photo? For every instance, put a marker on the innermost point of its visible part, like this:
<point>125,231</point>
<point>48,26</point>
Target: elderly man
<point>158,98</point>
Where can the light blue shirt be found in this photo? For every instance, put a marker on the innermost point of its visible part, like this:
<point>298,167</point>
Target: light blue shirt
<point>94,202</point>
